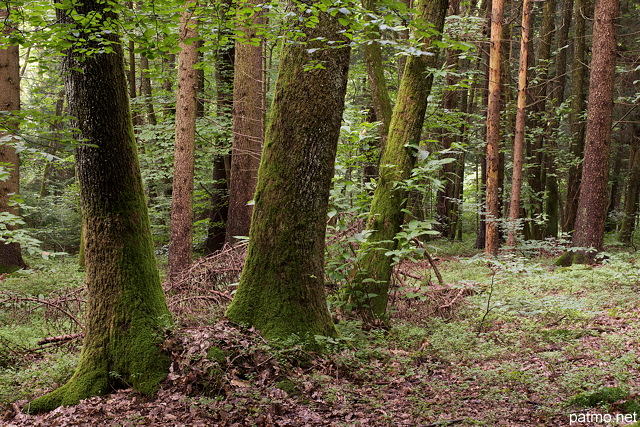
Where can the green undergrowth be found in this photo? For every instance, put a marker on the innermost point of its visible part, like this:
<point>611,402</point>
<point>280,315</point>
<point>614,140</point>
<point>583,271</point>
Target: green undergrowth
<point>36,304</point>
<point>528,343</point>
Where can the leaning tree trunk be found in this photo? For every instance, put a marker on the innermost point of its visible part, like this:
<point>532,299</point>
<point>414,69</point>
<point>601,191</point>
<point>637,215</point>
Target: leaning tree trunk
<point>281,290</point>
<point>181,237</point>
<point>378,86</point>
<point>126,313</point>
<point>594,195</point>
<point>10,254</point>
<point>370,289</point>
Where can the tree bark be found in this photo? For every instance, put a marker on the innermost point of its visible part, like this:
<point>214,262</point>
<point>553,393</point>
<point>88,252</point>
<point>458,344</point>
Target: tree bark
<point>377,82</point>
<point>370,288</point>
<point>181,237</point>
<point>219,213</point>
<point>10,254</point>
<point>248,127</point>
<point>578,92</point>
<point>632,193</point>
<point>146,91</point>
<point>592,205</point>
<point>518,142</point>
<point>126,313</point>
<point>492,242</point>
<point>281,289</point>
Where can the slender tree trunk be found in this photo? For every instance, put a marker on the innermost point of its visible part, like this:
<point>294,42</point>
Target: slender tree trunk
<point>578,92</point>
<point>379,91</point>
<point>248,128</point>
<point>181,237</point>
<point>592,205</point>
<point>370,288</point>
<point>10,254</point>
<point>632,192</point>
<point>493,129</point>
<point>518,142</point>
<point>446,195</point>
<point>56,126</point>
<point>482,193</point>
<point>554,210</point>
<point>126,313</point>
<point>219,213</point>
<point>146,91</point>
<point>281,289</point>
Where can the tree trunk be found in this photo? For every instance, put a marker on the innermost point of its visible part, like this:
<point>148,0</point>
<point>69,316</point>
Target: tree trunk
<point>181,237</point>
<point>518,142</point>
<point>632,192</point>
<point>370,289</point>
<point>377,82</point>
<point>592,205</point>
<point>126,313</point>
<point>146,91</point>
<point>10,254</point>
<point>248,128</point>
<point>281,289</point>
<point>219,212</point>
<point>492,242</point>
<point>218,215</point>
<point>578,91</point>
<point>446,195</point>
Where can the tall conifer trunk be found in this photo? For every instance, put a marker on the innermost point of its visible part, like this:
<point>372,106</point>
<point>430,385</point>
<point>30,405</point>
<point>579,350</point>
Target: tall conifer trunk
<point>578,97</point>
<point>594,195</point>
<point>181,238</point>
<point>518,142</point>
<point>492,241</point>
<point>248,128</point>
<point>126,312</point>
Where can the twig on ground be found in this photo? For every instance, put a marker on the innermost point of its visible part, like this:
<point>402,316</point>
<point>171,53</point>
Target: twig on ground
<point>431,261</point>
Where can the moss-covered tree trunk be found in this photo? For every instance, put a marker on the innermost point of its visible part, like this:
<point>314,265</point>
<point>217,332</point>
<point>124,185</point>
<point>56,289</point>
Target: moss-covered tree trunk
<point>181,235</point>
<point>248,126</point>
<point>594,194</point>
<point>10,254</point>
<point>377,82</point>
<point>281,289</point>
<point>370,288</point>
<point>126,313</point>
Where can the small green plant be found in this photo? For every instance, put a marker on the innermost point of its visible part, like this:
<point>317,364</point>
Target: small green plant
<point>599,397</point>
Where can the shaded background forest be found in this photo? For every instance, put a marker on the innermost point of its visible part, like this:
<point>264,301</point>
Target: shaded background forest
<point>449,187</point>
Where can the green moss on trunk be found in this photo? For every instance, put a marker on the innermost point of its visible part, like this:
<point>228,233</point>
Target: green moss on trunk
<point>281,290</point>
<point>369,291</point>
<point>126,311</point>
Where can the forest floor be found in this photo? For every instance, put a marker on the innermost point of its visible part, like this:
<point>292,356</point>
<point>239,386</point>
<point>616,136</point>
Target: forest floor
<point>512,342</point>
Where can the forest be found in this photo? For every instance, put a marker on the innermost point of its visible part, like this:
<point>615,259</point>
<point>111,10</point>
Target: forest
<point>319,212</point>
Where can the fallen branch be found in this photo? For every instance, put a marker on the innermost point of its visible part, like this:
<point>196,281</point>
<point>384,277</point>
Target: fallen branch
<point>431,261</point>
<point>59,338</point>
